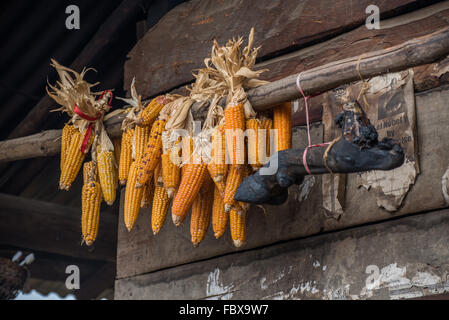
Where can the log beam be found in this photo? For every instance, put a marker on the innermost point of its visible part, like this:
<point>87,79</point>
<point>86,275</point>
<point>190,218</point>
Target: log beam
<point>413,53</point>
<point>48,227</point>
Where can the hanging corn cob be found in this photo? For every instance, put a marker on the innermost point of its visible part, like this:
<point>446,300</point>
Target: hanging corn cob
<point>219,215</point>
<point>235,126</point>
<point>133,198</point>
<point>191,182</point>
<point>235,177</point>
<point>151,154</point>
<point>90,203</point>
<point>107,173</point>
<point>171,174</point>
<point>201,211</point>
<point>258,141</point>
<point>125,155</point>
<point>147,116</point>
<point>237,224</point>
<point>67,133</point>
<point>218,168</point>
<point>282,122</point>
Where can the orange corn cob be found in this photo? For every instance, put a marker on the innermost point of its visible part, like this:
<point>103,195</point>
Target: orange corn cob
<point>201,211</point>
<point>282,122</point>
<point>234,122</point>
<point>74,160</point>
<point>90,204</point>
<point>152,153</point>
<point>151,111</point>
<point>191,182</point>
<point>66,137</point>
<point>161,203</point>
<point>170,174</point>
<point>133,198</point>
<point>218,167</point>
<point>125,156</point>
<point>107,175</point>
<point>235,177</point>
<point>219,215</point>
<point>237,224</point>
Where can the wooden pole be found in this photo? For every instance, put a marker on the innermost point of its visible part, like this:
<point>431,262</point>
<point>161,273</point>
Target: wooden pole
<point>415,52</point>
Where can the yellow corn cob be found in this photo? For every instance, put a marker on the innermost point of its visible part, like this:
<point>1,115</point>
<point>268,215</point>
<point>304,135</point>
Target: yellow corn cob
<point>87,172</point>
<point>151,111</point>
<point>117,148</point>
<point>161,202</point>
<point>191,182</point>
<point>219,215</point>
<point>201,211</point>
<point>235,177</point>
<point>107,175</point>
<point>170,174</point>
<point>235,120</point>
<point>217,167</point>
<point>237,224</point>
<point>151,155</point>
<point>133,198</point>
<point>148,194</point>
<point>141,138</point>
<point>282,122</point>
<point>74,160</point>
<point>125,156</point>
<point>67,133</point>
<point>90,205</point>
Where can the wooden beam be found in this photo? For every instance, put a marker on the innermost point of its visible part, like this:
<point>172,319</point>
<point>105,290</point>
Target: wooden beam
<point>411,53</point>
<point>52,228</point>
<point>280,27</point>
<point>400,259</point>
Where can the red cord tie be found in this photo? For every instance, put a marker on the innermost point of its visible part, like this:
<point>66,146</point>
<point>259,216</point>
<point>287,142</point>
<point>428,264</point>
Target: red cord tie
<point>91,120</point>
<point>304,156</point>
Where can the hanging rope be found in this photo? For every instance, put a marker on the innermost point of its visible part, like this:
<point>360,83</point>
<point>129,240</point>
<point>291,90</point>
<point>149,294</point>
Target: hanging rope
<point>310,145</point>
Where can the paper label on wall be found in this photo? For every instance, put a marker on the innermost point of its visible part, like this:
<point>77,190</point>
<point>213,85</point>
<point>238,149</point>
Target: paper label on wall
<point>391,110</point>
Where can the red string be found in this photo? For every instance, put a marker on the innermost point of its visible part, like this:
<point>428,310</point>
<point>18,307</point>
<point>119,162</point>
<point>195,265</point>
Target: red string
<point>90,119</point>
<point>304,156</point>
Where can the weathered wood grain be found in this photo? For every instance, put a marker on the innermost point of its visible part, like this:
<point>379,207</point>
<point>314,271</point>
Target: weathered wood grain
<point>400,259</point>
<point>140,252</point>
<point>164,59</point>
<point>48,227</point>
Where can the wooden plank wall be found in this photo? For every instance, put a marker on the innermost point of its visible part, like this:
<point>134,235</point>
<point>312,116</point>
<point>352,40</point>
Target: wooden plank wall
<point>404,258</point>
<point>148,266</point>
